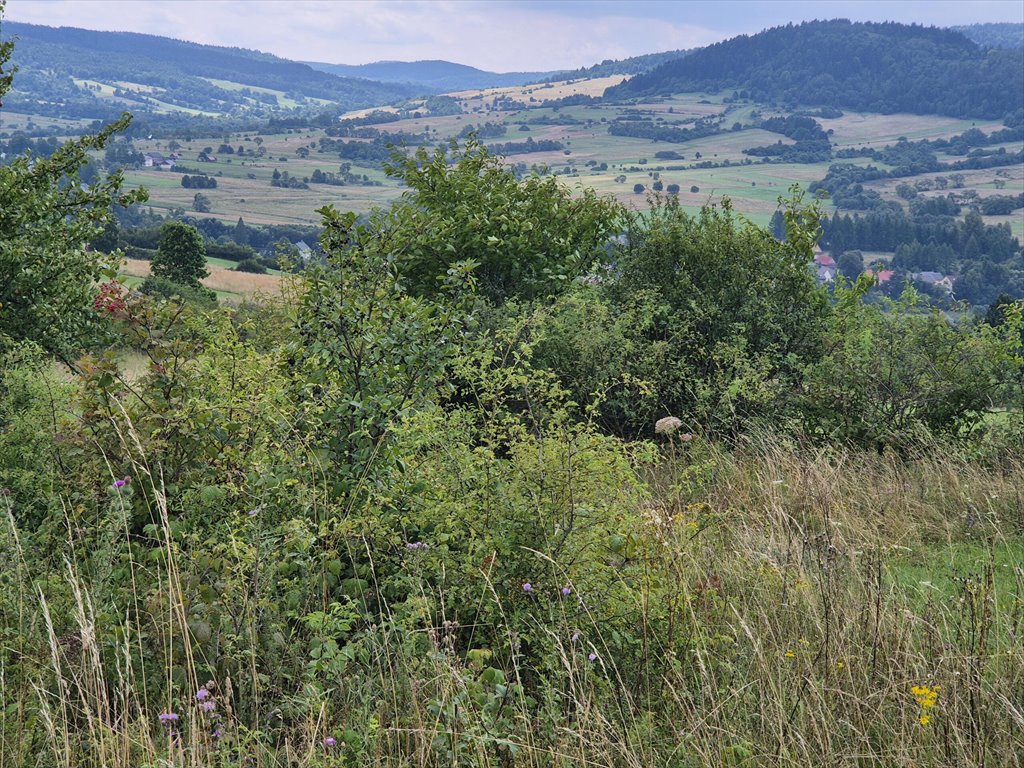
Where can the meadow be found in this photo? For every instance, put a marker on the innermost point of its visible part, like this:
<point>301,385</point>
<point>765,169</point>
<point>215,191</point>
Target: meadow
<point>753,188</point>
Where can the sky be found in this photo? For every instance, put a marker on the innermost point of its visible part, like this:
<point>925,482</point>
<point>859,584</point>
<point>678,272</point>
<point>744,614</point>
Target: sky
<point>497,35</point>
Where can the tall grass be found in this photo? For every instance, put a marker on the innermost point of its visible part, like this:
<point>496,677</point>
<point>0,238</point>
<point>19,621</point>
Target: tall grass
<point>783,622</point>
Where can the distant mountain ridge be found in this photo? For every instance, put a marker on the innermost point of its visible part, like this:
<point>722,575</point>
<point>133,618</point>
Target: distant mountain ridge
<point>435,75</point>
<point>885,67</point>
<point>441,76</point>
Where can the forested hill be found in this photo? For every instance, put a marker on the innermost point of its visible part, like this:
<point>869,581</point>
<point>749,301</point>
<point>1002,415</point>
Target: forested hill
<point>434,76</point>
<point>1006,35</point>
<point>162,73</point>
<point>631,66</point>
<point>865,66</point>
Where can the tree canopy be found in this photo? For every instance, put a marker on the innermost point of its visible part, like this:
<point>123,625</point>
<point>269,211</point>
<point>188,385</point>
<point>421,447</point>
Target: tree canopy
<point>48,273</point>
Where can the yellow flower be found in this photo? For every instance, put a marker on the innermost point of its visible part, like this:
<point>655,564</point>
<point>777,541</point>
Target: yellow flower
<point>925,696</point>
<point>924,719</point>
<point>790,654</point>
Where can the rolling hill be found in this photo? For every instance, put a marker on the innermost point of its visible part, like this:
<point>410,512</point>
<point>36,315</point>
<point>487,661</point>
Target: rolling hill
<point>874,67</point>
<point>70,72</point>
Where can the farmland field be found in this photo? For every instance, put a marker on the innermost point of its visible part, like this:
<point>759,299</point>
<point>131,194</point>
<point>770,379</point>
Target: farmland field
<point>588,155</point>
<point>230,286</point>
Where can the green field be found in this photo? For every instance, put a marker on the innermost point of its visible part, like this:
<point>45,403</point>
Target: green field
<point>244,188</point>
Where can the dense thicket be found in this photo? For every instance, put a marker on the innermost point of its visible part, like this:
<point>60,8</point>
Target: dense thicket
<point>872,67</point>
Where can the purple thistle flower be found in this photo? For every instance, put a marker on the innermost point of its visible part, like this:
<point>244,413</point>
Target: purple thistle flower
<point>120,483</point>
<point>330,741</point>
<point>416,545</point>
<point>209,706</point>
<point>202,694</point>
<point>566,591</point>
<point>527,587</point>
<point>168,717</point>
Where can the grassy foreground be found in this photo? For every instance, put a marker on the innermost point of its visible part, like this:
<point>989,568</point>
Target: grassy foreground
<point>792,608</point>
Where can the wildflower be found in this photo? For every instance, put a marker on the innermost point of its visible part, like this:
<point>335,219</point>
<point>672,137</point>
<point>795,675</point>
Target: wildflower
<point>592,657</point>
<point>790,654</point>
<point>527,587</point>
<point>216,733</point>
<point>924,719</point>
<point>122,482</point>
<point>330,741</point>
<point>667,425</point>
<point>168,717</point>
<point>202,694</point>
<point>686,437</point>
<point>416,545</point>
<point>566,591</point>
<point>926,696</point>
<point>209,706</point>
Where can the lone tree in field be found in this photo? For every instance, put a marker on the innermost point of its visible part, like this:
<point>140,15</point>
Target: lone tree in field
<point>181,255</point>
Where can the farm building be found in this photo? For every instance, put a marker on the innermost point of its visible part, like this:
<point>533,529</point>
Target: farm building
<point>156,160</point>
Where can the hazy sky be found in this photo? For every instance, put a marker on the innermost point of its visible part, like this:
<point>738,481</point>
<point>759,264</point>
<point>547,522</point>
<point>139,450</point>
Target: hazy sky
<point>501,35</point>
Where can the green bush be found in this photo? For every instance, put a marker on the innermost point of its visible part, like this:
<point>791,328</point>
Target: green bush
<point>706,318</point>
<point>899,375</point>
<point>251,265</point>
<point>168,289</point>
<point>524,238</point>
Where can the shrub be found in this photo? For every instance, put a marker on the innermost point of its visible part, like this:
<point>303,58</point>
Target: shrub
<point>251,265</point>
<point>167,289</point>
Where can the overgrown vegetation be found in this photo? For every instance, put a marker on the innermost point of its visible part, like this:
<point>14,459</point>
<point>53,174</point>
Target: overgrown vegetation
<point>510,477</point>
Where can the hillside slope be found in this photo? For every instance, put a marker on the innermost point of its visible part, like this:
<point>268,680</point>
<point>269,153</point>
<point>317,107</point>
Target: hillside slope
<point>630,66</point>
<point>1006,35</point>
<point>865,66</point>
<point>84,73</point>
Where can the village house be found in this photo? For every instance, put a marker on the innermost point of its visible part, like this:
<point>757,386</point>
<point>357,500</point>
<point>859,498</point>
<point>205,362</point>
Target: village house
<point>936,279</point>
<point>156,160</point>
<point>826,274</point>
<point>304,250</point>
<point>882,275</point>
